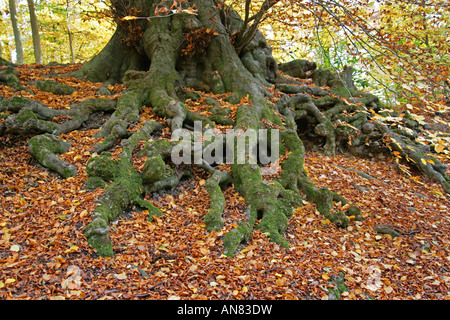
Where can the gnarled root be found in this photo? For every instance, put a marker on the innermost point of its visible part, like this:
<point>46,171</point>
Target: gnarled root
<point>44,148</point>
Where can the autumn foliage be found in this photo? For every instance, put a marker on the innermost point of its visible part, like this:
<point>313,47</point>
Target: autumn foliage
<point>94,207</point>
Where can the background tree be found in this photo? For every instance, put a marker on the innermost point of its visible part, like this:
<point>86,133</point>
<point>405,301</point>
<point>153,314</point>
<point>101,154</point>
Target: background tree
<point>85,21</point>
<point>17,36</point>
<point>69,33</point>
<point>35,32</point>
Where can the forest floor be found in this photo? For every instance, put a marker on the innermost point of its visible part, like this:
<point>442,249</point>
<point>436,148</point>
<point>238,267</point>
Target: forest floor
<point>44,253</point>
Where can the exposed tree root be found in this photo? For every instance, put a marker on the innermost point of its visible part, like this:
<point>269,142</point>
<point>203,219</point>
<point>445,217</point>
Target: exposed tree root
<point>53,87</point>
<point>431,167</point>
<point>44,148</point>
<point>321,112</point>
<point>213,219</point>
<point>126,186</point>
<point>157,68</point>
<point>10,77</point>
<point>33,116</point>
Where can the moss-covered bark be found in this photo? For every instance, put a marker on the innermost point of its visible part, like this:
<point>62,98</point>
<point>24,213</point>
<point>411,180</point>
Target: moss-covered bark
<point>213,219</point>
<point>45,147</point>
<point>125,186</point>
<point>53,87</point>
<point>30,116</point>
<point>431,167</point>
<point>10,78</point>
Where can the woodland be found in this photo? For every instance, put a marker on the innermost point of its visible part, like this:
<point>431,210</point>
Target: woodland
<point>353,96</point>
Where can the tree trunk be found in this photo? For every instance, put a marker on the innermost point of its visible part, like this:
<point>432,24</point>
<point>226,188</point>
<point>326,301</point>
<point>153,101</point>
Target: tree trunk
<point>16,30</point>
<point>35,32</point>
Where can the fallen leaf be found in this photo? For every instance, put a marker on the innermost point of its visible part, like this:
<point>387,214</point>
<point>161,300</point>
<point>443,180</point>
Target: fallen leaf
<point>72,249</point>
<point>120,276</point>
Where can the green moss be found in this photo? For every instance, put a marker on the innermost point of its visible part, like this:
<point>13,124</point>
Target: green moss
<point>53,87</point>
<point>12,76</point>
<point>221,120</point>
<point>47,126</point>
<point>49,142</point>
<point>338,288</point>
<point>25,116</point>
<point>19,101</point>
<point>213,219</point>
<point>97,236</point>
<point>342,91</point>
<point>102,166</point>
<point>221,111</point>
<point>267,199</point>
<point>293,165</point>
<point>274,222</point>
<point>269,114</point>
<point>214,105</point>
<point>117,196</point>
<point>102,245</point>
<point>126,187</point>
<point>161,148</point>
<point>355,212</point>
<point>150,207</point>
<point>239,235</point>
<point>154,169</point>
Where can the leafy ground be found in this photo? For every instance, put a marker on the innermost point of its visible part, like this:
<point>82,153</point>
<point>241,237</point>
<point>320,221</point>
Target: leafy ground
<point>44,253</point>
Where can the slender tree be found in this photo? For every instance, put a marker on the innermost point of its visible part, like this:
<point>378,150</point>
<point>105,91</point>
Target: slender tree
<point>69,32</point>
<point>35,32</point>
<point>16,30</point>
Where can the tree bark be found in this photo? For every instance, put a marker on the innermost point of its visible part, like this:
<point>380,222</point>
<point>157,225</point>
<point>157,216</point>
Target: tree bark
<point>70,34</point>
<point>35,32</point>
<point>16,30</point>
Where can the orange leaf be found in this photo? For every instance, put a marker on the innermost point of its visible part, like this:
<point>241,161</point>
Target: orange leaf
<point>129,18</point>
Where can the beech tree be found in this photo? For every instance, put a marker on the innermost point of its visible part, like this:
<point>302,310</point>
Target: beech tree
<point>165,51</point>
<point>69,33</point>
<point>35,32</point>
<point>17,36</point>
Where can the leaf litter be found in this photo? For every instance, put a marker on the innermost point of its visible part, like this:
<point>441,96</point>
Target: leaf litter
<point>44,254</point>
